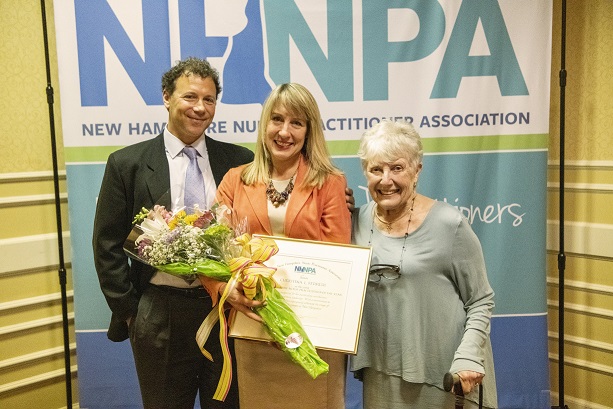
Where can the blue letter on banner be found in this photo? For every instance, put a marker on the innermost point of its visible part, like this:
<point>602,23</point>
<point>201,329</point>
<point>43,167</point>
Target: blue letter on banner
<point>96,22</point>
<point>194,43</point>
<point>501,62</point>
<point>246,83</point>
<point>334,73</point>
<point>378,51</point>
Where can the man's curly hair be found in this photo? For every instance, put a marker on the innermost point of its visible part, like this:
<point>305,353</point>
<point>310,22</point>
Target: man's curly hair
<point>187,67</point>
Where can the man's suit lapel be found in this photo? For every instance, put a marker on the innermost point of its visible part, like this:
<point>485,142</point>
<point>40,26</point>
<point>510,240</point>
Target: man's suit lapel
<point>158,181</point>
<point>217,159</point>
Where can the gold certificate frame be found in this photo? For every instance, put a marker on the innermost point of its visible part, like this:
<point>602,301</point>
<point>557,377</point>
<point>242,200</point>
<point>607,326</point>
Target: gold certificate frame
<point>324,283</point>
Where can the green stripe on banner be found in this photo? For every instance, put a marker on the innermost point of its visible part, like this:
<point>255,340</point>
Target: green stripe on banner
<point>460,144</point>
<point>486,143</point>
<point>455,144</point>
<point>82,154</point>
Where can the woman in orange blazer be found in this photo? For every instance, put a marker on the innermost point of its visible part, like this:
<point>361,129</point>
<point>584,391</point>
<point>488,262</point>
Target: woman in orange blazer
<point>312,213</point>
<point>291,189</point>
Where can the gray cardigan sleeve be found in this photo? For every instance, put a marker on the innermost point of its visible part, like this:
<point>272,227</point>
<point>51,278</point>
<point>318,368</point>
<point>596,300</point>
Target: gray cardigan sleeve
<point>477,296</point>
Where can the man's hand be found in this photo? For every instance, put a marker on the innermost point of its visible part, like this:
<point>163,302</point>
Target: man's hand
<point>350,199</point>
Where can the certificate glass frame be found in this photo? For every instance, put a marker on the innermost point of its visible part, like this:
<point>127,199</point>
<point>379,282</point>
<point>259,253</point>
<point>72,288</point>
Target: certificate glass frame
<point>324,284</point>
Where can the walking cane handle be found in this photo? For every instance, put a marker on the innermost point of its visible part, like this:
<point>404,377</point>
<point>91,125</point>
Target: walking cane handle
<point>450,380</point>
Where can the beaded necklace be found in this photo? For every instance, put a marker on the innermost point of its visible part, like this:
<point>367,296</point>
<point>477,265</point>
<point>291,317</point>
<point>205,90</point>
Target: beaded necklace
<point>278,198</point>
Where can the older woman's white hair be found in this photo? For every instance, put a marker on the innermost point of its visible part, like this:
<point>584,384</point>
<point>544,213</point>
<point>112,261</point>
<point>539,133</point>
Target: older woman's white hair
<point>390,140</point>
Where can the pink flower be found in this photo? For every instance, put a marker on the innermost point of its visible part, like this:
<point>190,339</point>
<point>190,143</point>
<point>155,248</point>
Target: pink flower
<point>163,212</point>
<point>204,221</point>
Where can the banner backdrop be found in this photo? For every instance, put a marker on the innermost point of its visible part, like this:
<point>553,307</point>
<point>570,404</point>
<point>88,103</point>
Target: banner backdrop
<point>472,75</point>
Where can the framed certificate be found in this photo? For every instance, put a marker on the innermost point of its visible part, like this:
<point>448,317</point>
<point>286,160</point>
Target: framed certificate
<point>324,284</point>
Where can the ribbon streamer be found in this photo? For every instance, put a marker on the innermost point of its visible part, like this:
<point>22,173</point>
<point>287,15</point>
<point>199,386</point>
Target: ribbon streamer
<point>249,270</point>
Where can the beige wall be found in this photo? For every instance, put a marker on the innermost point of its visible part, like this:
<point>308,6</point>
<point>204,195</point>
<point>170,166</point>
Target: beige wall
<point>32,371</point>
<point>588,243</point>
<point>31,360</point>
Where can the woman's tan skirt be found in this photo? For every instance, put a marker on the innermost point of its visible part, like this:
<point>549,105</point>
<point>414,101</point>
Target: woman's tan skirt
<point>268,379</point>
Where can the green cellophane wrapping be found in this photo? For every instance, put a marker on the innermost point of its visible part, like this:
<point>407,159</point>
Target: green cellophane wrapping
<point>281,321</point>
<point>208,267</point>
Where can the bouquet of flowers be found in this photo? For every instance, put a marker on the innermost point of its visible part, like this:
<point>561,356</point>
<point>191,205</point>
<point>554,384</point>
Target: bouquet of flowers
<point>204,243</point>
<point>183,244</point>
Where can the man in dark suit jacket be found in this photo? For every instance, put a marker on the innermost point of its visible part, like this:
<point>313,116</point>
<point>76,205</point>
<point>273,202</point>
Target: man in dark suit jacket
<point>158,312</point>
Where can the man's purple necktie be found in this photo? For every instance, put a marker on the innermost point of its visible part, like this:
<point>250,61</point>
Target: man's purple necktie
<point>194,184</point>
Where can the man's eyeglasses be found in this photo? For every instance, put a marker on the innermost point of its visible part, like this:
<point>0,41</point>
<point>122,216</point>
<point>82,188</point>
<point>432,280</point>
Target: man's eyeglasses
<point>388,271</point>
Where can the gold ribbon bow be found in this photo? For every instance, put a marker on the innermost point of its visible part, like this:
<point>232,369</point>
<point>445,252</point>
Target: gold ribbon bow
<point>249,270</point>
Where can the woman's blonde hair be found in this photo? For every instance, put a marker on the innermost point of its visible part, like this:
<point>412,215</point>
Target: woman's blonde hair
<point>300,103</point>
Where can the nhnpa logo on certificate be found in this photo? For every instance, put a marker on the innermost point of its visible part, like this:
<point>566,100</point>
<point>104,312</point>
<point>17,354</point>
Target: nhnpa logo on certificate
<point>305,270</point>
<point>472,75</point>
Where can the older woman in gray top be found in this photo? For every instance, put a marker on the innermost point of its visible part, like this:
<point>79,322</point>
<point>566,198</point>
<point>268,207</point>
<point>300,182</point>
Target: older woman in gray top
<point>428,302</point>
